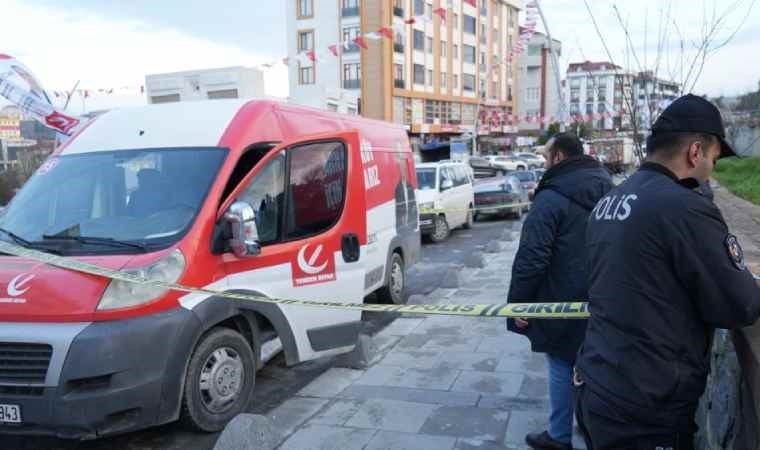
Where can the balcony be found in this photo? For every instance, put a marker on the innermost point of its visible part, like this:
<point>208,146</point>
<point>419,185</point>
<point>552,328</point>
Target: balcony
<point>400,84</point>
<point>350,12</point>
<point>398,48</point>
<point>352,48</point>
<point>398,12</point>
<point>352,84</point>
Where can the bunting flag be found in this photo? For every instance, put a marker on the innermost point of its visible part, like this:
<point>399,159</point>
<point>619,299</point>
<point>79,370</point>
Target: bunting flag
<point>410,21</point>
<point>473,3</point>
<point>286,61</point>
<point>359,40</point>
<point>312,56</point>
<point>386,32</point>
<point>333,49</point>
<point>440,12</point>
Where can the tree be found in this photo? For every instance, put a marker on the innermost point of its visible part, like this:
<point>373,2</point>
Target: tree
<point>580,129</point>
<point>551,130</point>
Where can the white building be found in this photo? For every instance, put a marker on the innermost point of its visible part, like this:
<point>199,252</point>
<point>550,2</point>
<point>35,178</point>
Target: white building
<point>333,83</point>
<point>228,82</point>
<point>652,96</point>
<point>594,88</point>
<point>539,87</point>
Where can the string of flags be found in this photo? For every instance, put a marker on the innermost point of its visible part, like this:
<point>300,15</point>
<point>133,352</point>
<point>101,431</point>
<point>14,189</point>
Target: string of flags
<point>497,118</point>
<point>88,93</point>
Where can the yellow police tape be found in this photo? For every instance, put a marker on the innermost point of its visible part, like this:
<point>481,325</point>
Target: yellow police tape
<point>557,310</point>
<point>476,209</point>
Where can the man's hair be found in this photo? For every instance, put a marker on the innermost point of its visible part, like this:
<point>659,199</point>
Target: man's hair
<point>568,144</point>
<point>668,145</point>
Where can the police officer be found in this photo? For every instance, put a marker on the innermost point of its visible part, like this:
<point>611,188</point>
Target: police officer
<point>664,272</point>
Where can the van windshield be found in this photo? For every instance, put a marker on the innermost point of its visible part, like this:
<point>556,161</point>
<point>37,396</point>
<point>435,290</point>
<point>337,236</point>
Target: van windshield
<point>426,178</point>
<point>142,199</point>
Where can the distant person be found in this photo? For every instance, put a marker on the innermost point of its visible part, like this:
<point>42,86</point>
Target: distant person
<point>550,266</point>
<point>664,273</point>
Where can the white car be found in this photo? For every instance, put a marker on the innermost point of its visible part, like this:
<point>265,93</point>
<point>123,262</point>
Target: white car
<point>504,164</point>
<point>534,160</point>
<point>446,198</point>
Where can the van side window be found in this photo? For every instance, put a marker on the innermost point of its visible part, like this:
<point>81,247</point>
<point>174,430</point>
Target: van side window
<point>266,194</point>
<point>446,175</point>
<point>316,188</point>
<point>245,164</point>
<point>460,178</point>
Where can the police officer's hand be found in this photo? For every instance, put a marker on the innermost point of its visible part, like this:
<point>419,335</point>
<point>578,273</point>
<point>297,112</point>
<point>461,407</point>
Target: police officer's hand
<point>521,323</point>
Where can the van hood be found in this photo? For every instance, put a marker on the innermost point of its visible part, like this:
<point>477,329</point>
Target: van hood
<point>426,195</point>
<point>33,291</point>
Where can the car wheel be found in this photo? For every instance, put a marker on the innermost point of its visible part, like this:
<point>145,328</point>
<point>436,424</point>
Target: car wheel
<point>501,173</point>
<point>441,231</point>
<point>520,167</point>
<point>470,219</point>
<point>394,292</point>
<point>219,382</point>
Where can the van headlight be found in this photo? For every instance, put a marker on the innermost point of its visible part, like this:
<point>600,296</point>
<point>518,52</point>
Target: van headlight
<point>426,206</point>
<point>123,294</point>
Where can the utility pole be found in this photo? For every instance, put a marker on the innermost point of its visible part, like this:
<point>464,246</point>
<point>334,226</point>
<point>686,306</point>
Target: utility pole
<point>555,62</point>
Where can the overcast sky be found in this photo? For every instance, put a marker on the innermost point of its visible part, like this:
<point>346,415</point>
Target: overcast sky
<point>110,43</point>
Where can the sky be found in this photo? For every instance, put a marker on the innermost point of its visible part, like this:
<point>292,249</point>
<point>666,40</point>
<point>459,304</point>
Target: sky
<point>113,44</point>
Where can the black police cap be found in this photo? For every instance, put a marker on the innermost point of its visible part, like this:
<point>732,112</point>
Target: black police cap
<point>693,114</point>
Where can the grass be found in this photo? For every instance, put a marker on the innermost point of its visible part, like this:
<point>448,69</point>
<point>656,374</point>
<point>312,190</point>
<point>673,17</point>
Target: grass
<point>740,176</point>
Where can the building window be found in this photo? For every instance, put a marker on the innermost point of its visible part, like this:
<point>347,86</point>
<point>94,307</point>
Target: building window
<point>306,75</point>
<point>419,40</point>
<point>429,44</point>
<point>482,60</point>
<point>456,21</point>
<point>223,93</point>
<point>398,80</point>
<point>469,53</point>
<point>534,50</point>
<point>531,94</point>
<point>494,89</point>
<point>419,7</point>
<point>305,41</point>
<point>443,49</point>
<point>470,24</point>
<point>444,76</point>
<point>350,8</point>
<point>305,9</point>
<point>455,51</point>
<point>349,34</point>
<point>455,81</point>
<point>351,76</point>
<point>170,98</point>
<point>468,82</point>
<point>483,34</point>
<point>429,11</point>
<point>430,77</point>
<point>419,74</point>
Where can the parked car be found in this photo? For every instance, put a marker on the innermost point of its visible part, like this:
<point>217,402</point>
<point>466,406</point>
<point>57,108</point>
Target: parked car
<point>528,181</point>
<point>534,161</point>
<point>499,196</point>
<point>259,197</point>
<point>539,174</point>
<point>504,164</point>
<point>445,198</point>
<point>481,167</point>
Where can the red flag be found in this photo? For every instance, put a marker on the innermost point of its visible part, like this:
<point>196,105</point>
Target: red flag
<point>474,3</point>
<point>312,56</point>
<point>333,49</point>
<point>285,61</point>
<point>361,42</point>
<point>441,12</point>
<point>410,21</point>
<point>86,93</point>
<point>386,32</point>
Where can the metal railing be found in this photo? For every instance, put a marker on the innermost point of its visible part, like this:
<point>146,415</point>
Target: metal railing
<point>352,48</point>
<point>350,12</point>
<point>398,48</point>
<point>401,84</point>
<point>398,12</point>
<point>352,84</point>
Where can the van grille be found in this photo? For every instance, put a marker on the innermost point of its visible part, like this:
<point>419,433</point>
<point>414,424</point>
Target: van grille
<point>22,363</point>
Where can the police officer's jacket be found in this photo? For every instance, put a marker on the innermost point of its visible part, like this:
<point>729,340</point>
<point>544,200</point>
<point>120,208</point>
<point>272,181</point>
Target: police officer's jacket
<point>663,272</point>
<point>550,263</point>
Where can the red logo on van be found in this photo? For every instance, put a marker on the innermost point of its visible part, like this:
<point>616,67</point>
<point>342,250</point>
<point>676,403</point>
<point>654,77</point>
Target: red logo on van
<point>313,265</point>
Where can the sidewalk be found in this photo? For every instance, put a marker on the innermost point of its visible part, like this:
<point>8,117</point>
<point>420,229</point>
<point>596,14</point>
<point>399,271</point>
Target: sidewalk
<point>743,219</point>
<point>439,383</point>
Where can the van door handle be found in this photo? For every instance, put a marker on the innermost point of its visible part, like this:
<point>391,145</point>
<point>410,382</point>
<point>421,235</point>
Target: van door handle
<point>350,247</point>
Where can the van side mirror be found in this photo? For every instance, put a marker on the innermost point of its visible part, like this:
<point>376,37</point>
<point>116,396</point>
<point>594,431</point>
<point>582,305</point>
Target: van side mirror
<point>245,234</point>
<point>446,184</point>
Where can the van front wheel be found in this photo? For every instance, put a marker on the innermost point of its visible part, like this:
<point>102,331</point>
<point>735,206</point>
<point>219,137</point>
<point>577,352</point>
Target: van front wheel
<point>441,231</point>
<point>220,380</point>
<point>394,292</point>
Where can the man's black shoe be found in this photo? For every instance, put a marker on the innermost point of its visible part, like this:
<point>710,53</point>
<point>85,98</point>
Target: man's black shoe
<point>542,441</point>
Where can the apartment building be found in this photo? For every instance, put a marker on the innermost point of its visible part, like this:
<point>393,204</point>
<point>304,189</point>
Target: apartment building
<point>436,76</point>
<point>539,88</point>
<point>594,88</point>
<point>652,95</point>
<point>227,82</point>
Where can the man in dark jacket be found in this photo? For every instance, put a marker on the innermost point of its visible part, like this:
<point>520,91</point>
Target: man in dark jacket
<point>664,272</point>
<point>550,266</point>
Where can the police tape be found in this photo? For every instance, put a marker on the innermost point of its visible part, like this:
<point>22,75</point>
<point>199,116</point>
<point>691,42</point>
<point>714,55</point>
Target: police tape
<point>476,209</point>
<point>547,310</point>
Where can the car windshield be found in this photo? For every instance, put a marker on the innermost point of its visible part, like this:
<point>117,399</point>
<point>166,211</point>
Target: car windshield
<point>524,176</point>
<point>426,178</point>
<point>147,197</point>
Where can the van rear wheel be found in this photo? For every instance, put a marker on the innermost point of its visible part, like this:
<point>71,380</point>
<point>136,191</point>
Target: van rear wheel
<point>394,292</point>
<point>220,380</point>
<point>441,231</point>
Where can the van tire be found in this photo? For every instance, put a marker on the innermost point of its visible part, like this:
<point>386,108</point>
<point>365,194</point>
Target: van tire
<point>520,167</point>
<point>219,356</point>
<point>470,219</point>
<point>394,291</point>
<point>442,230</point>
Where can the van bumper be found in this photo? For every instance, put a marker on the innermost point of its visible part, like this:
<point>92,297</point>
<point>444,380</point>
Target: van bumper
<point>116,376</point>
<point>427,223</point>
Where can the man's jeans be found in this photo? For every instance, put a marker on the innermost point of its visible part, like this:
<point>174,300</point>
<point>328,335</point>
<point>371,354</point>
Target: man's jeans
<point>560,400</point>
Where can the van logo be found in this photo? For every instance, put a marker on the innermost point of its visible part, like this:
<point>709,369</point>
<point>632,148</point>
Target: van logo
<point>309,266</point>
<point>16,286</point>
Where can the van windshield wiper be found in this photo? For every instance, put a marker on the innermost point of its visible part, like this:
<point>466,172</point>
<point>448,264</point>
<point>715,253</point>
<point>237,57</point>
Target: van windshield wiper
<point>27,244</point>
<point>97,241</point>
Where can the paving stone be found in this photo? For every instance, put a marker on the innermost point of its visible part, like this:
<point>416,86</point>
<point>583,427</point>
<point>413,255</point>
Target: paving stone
<point>330,383</point>
<point>521,423</point>
<point>420,359</point>
<point>452,279</point>
<point>338,413</point>
<point>402,326</point>
<point>509,342</point>
<point>392,415</point>
<point>435,397</point>
<point>483,362</point>
<point>324,437</point>
<point>475,444</point>
<point>413,341</point>
<point>522,362</point>
<point>534,387</point>
<point>518,403</point>
<point>491,383</point>
<point>468,422</point>
<point>453,343</point>
<point>388,440</point>
<point>295,411</point>
<point>248,432</point>
<point>440,378</point>
<point>475,259</point>
<point>493,247</point>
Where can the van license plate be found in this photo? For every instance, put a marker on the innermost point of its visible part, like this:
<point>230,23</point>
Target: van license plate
<point>426,222</point>
<point>10,414</point>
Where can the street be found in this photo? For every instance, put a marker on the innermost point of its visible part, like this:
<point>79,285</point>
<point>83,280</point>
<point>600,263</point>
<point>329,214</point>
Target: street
<point>276,383</point>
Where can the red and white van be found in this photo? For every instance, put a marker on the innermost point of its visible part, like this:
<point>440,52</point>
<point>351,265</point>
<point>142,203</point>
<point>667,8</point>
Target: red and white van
<point>238,196</point>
